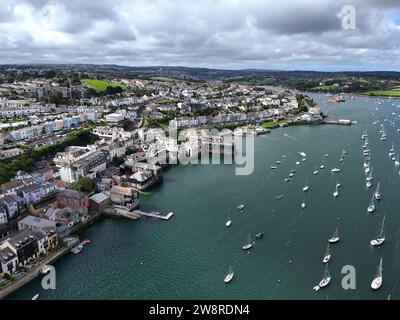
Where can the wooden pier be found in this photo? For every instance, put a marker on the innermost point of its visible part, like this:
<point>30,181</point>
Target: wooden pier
<point>154,214</point>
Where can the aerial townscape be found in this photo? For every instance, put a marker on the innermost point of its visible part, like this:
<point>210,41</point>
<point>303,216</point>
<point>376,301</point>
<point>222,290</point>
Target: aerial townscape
<point>173,150</point>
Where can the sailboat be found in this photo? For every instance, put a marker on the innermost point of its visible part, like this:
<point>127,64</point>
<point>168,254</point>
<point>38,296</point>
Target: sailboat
<point>377,282</point>
<point>248,244</point>
<point>327,255</point>
<point>229,275</point>
<point>305,188</point>
<point>335,238</point>
<point>326,278</point>
<point>228,222</point>
<point>364,135</point>
<point>336,193</point>
<point>370,177</point>
<point>377,193</point>
<point>303,205</point>
<point>371,207</point>
<point>380,238</point>
<point>316,170</point>
<point>368,184</point>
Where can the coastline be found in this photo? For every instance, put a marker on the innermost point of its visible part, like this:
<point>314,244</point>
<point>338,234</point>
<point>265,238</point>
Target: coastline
<point>51,258</point>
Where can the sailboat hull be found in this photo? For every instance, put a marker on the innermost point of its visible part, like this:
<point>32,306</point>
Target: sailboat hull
<point>376,283</point>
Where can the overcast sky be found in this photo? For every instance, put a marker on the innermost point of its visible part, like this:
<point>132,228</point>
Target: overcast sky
<point>231,34</point>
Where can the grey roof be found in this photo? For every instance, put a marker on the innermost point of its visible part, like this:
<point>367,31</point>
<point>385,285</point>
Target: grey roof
<point>30,188</point>
<point>6,255</point>
<point>99,197</point>
<point>21,239</point>
<point>37,222</point>
<point>11,199</point>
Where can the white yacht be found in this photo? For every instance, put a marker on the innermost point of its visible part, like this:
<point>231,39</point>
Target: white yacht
<point>316,170</point>
<point>377,282</point>
<point>322,166</point>
<point>336,192</point>
<point>335,237</point>
<point>305,188</point>
<point>248,244</point>
<point>303,205</point>
<point>380,238</point>
<point>335,170</point>
<point>377,193</point>
<point>371,207</point>
<point>228,222</point>
<point>36,296</point>
<point>326,278</point>
<point>368,184</point>
<point>229,275</point>
<point>327,255</point>
<point>240,207</point>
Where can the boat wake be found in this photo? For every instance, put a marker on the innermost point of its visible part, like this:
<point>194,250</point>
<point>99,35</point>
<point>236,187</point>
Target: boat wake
<point>290,137</point>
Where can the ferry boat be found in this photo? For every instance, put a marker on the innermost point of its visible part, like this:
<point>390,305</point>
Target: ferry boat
<point>377,281</point>
<point>380,238</point>
<point>229,276</point>
<point>335,238</point>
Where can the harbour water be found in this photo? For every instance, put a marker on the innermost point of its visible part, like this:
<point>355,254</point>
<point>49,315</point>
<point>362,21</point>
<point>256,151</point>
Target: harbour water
<point>188,256</point>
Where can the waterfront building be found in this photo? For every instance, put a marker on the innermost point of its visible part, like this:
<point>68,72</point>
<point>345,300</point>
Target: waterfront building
<point>33,222</point>
<point>24,245</point>
<point>9,261</point>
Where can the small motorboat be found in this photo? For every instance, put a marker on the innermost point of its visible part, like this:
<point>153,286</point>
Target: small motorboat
<point>303,205</point>
<point>36,296</point>
<point>335,170</point>
<point>274,167</point>
<point>240,207</point>
<point>259,236</point>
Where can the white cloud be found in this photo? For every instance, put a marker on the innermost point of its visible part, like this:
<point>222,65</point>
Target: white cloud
<point>289,34</point>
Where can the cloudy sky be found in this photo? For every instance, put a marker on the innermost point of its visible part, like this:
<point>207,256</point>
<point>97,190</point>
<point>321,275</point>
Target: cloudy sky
<point>231,34</point>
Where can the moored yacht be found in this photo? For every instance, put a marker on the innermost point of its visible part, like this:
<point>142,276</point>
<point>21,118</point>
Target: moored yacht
<point>380,238</point>
<point>371,207</point>
<point>377,193</point>
<point>327,255</point>
<point>228,222</point>
<point>248,244</point>
<point>305,188</point>
<point>229,276</point>
<point>336,192</point>
<point>326,278</point>
<point>335,237</point>
<point>377,281</point>
<point>335,170</point>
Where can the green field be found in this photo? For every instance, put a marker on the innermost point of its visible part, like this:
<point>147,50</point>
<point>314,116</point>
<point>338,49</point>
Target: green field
<point>101,85</point>
<point>393,93</point>
<point>325,88</point>
<point>273,124</point>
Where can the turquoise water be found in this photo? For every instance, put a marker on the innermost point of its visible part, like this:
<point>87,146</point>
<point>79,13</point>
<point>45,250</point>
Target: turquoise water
<point>187,257</point>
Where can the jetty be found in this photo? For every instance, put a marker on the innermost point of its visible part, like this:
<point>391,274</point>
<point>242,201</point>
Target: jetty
<point>154,214</point>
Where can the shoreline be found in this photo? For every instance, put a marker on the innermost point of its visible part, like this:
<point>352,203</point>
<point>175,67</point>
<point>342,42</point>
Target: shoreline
<point>51,258</point>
